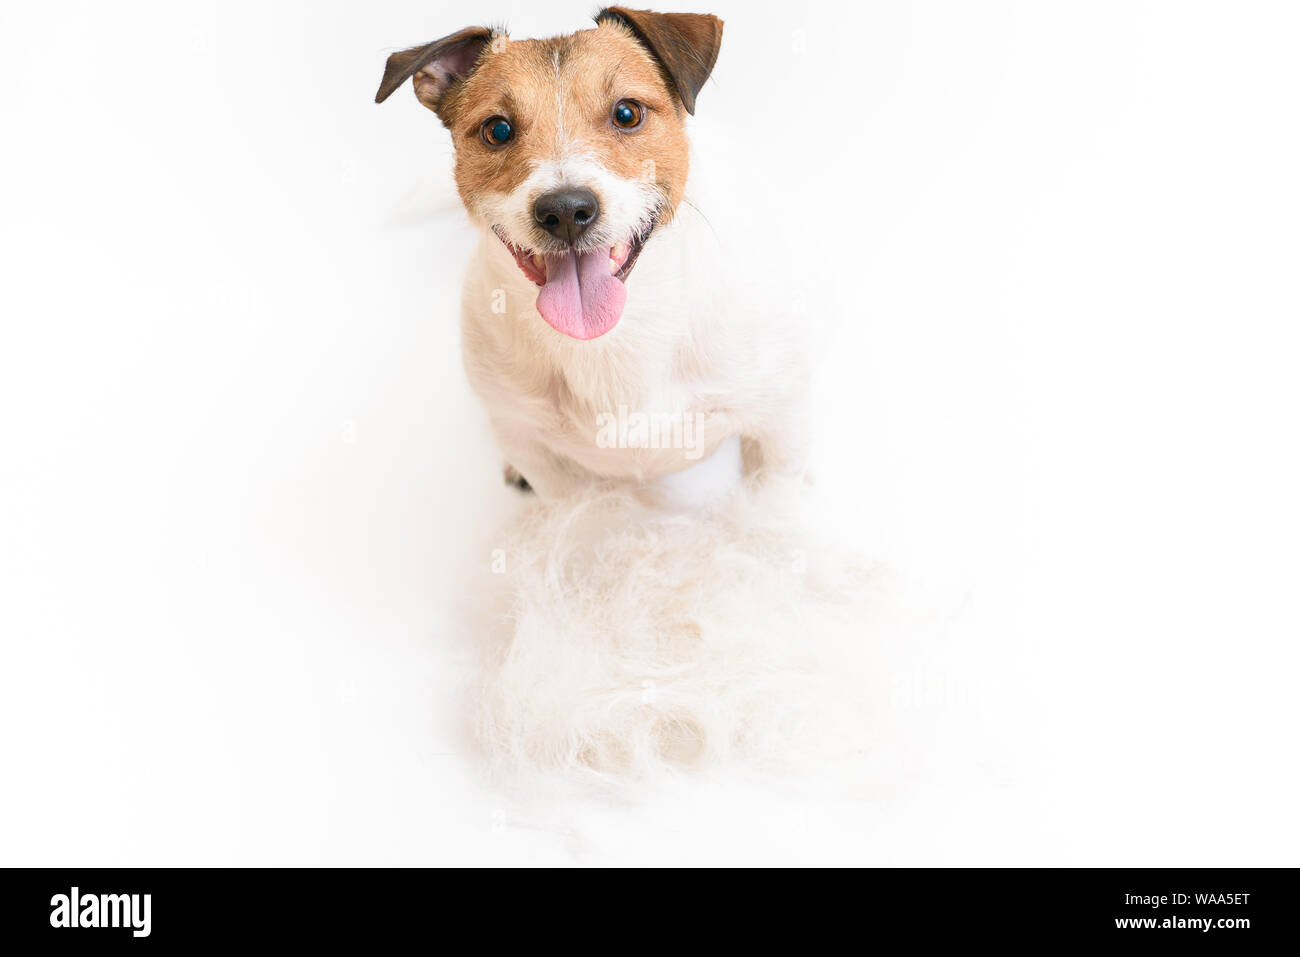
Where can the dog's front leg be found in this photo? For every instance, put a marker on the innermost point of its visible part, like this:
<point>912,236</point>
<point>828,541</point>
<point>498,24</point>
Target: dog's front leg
<point>532,466</point>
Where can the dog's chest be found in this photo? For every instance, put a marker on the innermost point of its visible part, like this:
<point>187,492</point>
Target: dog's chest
<point>630,404</point>
<point>616,427</point>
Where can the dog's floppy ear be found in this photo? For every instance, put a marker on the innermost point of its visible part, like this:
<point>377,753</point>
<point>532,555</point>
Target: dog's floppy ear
<point>435,66</point>
<point>685,44</point>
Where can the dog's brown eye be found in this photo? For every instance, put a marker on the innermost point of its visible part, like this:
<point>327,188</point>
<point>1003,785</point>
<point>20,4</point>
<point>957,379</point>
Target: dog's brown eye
<point>628,114</point>
<point>497,131</point>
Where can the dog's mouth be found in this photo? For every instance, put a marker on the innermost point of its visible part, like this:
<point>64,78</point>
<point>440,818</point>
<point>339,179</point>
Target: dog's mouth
<point>582,290</point>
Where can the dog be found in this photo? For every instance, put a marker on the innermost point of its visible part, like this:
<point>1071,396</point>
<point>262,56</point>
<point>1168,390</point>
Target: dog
<point>600,323</point>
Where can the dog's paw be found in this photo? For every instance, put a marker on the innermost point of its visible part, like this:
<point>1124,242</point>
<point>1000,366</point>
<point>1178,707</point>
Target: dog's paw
<point>512,477</point>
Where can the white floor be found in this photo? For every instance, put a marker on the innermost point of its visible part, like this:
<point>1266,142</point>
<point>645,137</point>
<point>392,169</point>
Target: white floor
<point>242,483</point>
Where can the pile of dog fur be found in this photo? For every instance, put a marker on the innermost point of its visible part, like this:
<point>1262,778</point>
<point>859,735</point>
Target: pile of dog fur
<point>635,640</point>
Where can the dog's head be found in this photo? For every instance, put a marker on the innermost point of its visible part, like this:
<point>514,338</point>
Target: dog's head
<point>572,150</point>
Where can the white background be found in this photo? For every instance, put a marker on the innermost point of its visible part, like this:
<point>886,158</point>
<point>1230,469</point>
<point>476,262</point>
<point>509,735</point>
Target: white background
<point>242,482</point>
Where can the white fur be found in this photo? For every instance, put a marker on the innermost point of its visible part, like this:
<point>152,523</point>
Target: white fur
<point>638,642</point>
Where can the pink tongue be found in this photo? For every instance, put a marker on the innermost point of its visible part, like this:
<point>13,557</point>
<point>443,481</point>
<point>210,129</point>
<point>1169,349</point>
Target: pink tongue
<point>580,298</point>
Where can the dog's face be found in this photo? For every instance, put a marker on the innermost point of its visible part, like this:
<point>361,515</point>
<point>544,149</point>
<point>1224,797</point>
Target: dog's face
<point>571,150</point>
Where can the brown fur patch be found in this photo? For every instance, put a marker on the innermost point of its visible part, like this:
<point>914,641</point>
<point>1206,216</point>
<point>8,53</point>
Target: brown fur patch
<point>685,44</point>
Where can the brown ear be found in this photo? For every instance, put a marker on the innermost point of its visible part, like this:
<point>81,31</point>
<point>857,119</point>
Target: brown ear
<point>435,66</point>
<point>685,44</point>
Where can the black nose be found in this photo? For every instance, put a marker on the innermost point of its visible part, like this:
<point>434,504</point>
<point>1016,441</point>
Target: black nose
<point>566,213</point>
